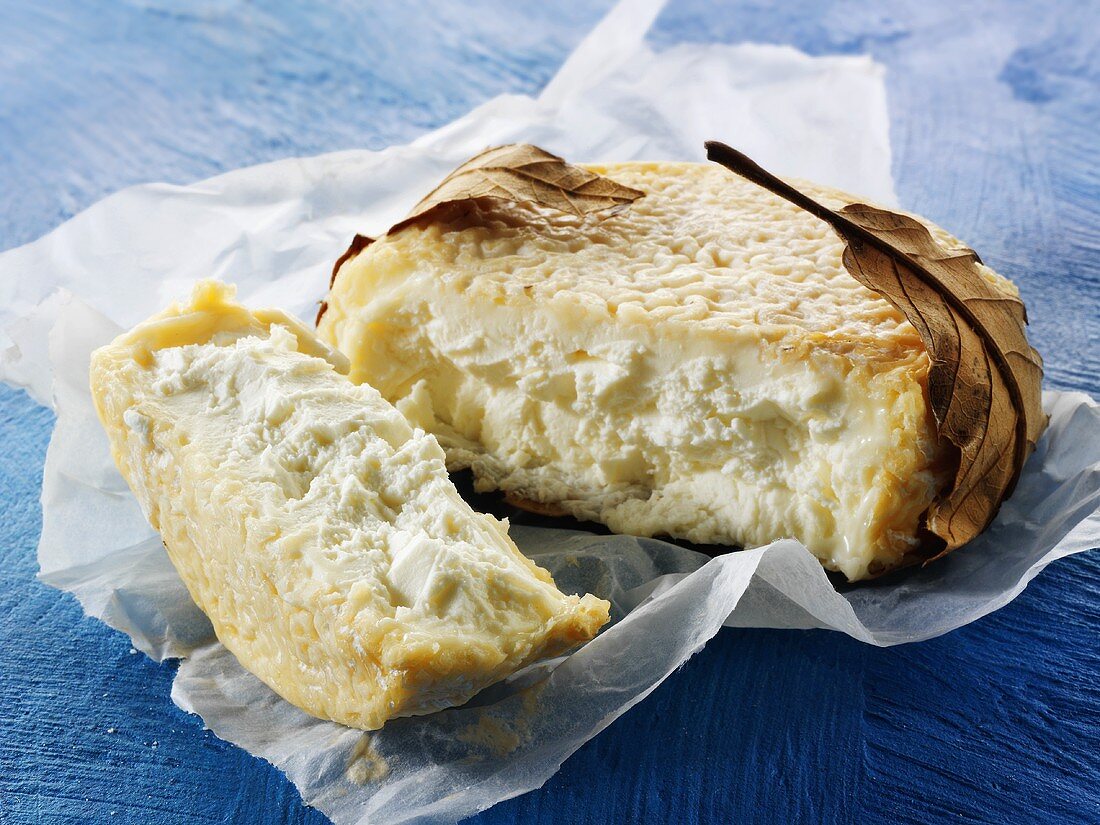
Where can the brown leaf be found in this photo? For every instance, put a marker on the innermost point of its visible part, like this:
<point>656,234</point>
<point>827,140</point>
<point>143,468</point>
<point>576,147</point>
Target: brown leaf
<point>522,173</point>
<point>984,384</point>
<point>518,172</point>
<point>358,244</point>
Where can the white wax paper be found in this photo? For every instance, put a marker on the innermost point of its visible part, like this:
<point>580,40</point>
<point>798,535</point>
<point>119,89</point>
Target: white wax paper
<point>275,229</point>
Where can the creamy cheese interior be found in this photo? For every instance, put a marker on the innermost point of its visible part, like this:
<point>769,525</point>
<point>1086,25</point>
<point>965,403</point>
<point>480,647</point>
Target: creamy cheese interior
<point>317,529</point>
<point>699,364</point>
<point>713,442</point>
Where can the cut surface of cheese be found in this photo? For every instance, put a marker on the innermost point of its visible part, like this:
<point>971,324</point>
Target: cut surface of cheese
<point>699,364</point>
<point>316,528</point>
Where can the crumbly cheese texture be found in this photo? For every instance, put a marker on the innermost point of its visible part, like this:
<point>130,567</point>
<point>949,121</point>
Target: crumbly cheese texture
<point>316,528</point>
<point>699,364</point>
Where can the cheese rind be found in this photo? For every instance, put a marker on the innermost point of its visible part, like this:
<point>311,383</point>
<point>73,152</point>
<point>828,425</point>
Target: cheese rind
<point>316,528</point>
<point>699,365</point>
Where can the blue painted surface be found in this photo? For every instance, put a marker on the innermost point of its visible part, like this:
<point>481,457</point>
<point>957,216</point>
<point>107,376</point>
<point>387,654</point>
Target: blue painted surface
<point>995,111</point>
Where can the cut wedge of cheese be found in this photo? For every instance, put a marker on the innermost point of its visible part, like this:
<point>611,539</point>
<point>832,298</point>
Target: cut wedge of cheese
<point>316,528</point>
<point>699,364</point>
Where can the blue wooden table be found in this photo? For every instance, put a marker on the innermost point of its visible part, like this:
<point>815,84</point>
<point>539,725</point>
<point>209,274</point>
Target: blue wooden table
<point>995,114</point>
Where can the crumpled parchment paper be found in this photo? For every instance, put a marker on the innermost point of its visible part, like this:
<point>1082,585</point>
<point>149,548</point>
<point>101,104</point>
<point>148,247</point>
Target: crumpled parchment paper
<point>275,229</point>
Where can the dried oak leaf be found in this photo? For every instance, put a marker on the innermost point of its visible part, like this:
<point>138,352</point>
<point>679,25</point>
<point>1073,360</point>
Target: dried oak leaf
<point>517,172</point>
<point>984,383</point>
<point>522,173</point>
<point>358,244</point>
